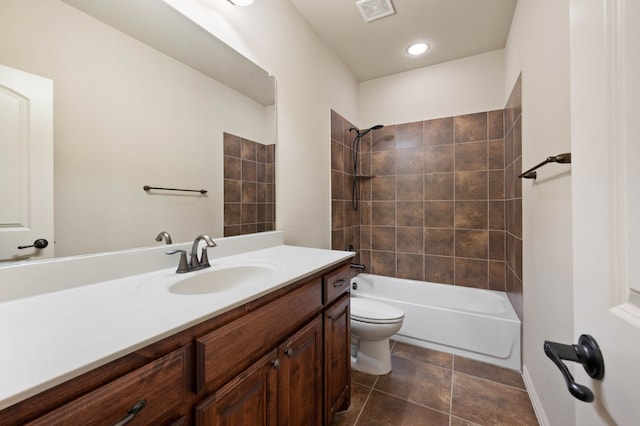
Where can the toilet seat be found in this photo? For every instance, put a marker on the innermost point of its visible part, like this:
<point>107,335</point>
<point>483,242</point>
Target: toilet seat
<point>374,312</point>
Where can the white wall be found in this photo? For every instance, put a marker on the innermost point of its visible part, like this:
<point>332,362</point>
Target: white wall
<point>538,46</point>
<point>463,86</point>
<point>311,81</point>
<point>125,116</point>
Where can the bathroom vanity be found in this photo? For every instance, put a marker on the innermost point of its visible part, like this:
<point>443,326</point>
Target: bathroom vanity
<point>274,352</point>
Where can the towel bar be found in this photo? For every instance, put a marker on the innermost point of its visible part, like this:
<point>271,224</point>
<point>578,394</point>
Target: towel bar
<point>560,158</point>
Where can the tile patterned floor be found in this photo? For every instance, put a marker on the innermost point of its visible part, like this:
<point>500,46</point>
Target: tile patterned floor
<point>428,387</point>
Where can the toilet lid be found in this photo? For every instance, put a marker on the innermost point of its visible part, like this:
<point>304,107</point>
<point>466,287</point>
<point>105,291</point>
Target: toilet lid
<point>372,311</point>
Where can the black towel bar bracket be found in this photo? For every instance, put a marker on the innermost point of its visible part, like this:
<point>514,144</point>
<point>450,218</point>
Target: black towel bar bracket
<point>149,188</point>
<point>560,158</point>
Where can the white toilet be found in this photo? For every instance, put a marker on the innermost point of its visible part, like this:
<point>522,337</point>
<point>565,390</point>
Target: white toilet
<point>372,323</point>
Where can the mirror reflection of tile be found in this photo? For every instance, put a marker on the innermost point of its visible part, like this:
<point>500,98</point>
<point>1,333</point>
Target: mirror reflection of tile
<point>249,186</point>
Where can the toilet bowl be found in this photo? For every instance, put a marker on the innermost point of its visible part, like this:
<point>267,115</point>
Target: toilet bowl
<point>372,324</point>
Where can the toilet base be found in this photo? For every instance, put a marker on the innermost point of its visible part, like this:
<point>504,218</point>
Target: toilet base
<point>374,357</point>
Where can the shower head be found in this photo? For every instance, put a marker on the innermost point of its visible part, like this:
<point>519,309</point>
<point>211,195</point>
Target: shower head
<point>361,133</point>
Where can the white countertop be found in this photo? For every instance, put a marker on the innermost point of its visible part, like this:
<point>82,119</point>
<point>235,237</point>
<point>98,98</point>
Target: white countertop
<point>47,339</point>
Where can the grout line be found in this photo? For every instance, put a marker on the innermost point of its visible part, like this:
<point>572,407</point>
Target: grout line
<point>453,199</point>
<point>467,421</point>
<point>366,400</point>
<point>453,370</point>
<point>488,241</point>
<point>410,401</point>
<point>493,381</point>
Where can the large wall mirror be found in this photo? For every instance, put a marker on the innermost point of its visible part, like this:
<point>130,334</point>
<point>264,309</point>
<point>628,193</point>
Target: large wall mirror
<point>141,96</point>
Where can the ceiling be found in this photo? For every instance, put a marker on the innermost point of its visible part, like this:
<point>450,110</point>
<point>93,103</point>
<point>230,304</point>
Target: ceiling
<point>184,41</point>
<point>453,28</point>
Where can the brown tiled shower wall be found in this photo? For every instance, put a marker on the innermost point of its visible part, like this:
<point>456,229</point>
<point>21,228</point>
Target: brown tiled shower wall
<point>249,186</point>
<point>433,199</point>
<point>513,196</point>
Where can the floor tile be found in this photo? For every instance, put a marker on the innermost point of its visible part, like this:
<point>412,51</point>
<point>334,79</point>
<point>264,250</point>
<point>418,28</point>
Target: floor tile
<point>359,395</point>
<point>488,371</point>
<point>419,382</point>
<point>385,410</point>
<point>416,353</point>
<point>428,387</point>
<point>455,421</point>
<point>363,379</point>
<point>489,403</point>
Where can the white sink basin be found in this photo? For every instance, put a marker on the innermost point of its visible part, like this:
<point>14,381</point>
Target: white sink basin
<point>221,279</point>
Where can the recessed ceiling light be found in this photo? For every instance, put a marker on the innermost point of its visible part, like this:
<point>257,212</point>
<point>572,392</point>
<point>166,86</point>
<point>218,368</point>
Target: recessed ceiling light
<point>417,49</point>
<point>241,2</point>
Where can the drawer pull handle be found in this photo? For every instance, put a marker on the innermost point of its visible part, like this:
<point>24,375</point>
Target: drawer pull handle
<point>331,316</point>
<point>339,283</point>
<point>289,352</point>
<point>133,412</point>
<point>276,364</point>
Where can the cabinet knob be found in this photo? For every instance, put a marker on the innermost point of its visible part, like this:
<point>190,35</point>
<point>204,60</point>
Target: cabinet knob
<point>132,413</point>
<point>340,283</point>
<point>276,364</point>
<point>289,352</point>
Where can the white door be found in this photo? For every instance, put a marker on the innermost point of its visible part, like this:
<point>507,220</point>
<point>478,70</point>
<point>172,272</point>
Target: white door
<point>26,165</point>
<point>605,111</point>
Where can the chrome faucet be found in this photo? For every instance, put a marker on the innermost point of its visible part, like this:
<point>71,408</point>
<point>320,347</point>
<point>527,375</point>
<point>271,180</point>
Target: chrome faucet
<point>203,261</point>
<point>194,263</point>
<point>165,235</point>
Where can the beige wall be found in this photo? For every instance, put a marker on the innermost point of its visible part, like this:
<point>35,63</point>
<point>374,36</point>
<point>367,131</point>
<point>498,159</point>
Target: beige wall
<point>538,46</point>
<point>311,81</point>
<point>125,116</point>
<point>463,86</point>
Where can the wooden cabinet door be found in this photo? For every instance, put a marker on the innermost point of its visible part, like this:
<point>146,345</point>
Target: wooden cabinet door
<point>301,377</point>
<point>250,399</point>
<point>337,358</point>
<point>232,348</point>
<point>156,390</point>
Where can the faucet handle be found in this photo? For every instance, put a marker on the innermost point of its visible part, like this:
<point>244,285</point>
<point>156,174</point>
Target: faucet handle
<point>204,259</point>
<point>183,265</point>
<point>193,260</point>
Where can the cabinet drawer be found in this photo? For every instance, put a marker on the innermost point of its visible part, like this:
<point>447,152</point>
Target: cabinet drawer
<point>225,352</point>
<point>162,384</point>
<point>336,283</point>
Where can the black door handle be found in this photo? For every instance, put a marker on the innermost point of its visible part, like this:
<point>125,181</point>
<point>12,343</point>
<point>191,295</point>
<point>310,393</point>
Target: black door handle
<point>586,352</point>
<point>40,243</point>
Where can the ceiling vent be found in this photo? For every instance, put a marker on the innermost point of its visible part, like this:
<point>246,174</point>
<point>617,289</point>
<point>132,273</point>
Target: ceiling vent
<point>375,9</point>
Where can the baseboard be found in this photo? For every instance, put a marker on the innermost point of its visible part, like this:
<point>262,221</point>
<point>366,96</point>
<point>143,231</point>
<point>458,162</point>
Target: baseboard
<point>533,395</point>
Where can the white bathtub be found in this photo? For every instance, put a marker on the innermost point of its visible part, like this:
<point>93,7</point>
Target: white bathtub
<point>475,323</point>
